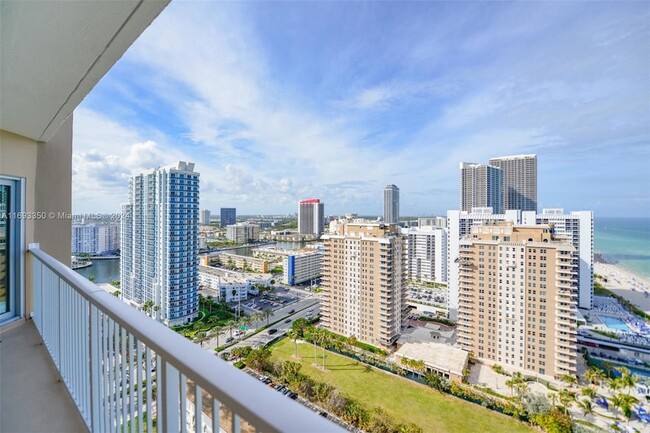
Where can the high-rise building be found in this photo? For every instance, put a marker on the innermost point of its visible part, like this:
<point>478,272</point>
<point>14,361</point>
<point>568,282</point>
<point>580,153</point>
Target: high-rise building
<point>578,228</point>
<point>311,217</point>
<point>204,219</point>
<point>243,232</point>
<point>391,204</point>
<point>364,270</point>
<point>518,298</point>
<point>427,254</point>
<point>95,239</point>
<point>160,243</point>
<point>480,186</point>
<point>519,181</point>
<point>228,216</point>
<point>459,225</point>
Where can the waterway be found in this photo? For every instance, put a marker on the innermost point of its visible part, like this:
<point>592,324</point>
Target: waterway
<point>108,270</point>
<point>104,271</point>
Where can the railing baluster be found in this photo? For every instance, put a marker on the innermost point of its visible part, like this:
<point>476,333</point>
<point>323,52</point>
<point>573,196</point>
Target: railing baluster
<point>94,387</point>
<point>140,385</point>
<point>169,396</point>
<point>236,422</point>
<point>133,357</point>
<point>124,366</point>
<point>149,392</point>
<point>111,375</point>
<point>183,398</point>
<point>216,415</point>
<point>198,408</point>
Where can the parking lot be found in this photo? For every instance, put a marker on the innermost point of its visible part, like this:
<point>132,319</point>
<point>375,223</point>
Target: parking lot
<point>427,295</point>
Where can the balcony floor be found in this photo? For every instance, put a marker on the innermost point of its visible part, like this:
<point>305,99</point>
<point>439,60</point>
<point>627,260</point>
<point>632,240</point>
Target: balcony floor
<point>31,397</point>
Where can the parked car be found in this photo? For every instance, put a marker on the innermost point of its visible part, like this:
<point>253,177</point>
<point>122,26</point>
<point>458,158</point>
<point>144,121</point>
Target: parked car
<point>229,339</point>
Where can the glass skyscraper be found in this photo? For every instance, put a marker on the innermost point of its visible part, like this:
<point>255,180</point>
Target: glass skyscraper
<point>159,243</point>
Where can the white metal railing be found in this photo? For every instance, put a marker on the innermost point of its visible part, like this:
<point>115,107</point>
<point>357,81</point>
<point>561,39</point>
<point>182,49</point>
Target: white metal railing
<point>128,372</point>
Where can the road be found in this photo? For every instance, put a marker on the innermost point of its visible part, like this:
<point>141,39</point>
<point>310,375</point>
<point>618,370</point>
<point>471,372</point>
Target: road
<point>306,301</point>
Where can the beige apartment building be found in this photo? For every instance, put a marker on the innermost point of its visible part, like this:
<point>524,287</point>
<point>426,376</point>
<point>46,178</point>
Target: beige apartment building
<point>363,281</point>
<point>518,295</point>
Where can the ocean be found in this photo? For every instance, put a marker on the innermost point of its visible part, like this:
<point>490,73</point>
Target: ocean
<point>624,242</point>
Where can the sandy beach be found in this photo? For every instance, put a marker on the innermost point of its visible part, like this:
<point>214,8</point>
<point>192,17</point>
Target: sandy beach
<point>625,283</point>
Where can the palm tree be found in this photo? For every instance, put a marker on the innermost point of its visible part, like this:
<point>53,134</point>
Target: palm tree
<point>569,379</point>
<point>230,324</point>
<point>294,335</point>
<point>267,314</point>
<point>566,398</point>
<point>351,341</point>
<point>324,338</point>
<point>617,402</point>
<point>201,337</point>
<point>215,331</point>
<point>627,401</point>
<point>588,392</point>
<point>586,407</point>
<point>627,380</point>
<point>609,367</point>
<point>312,334</point>
<point>553,397</point>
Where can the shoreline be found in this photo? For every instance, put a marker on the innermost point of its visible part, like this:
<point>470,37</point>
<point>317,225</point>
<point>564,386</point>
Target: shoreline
<point>623,282</point>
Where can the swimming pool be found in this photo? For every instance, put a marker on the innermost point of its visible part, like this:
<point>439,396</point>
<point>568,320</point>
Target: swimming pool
<point>615,323</point>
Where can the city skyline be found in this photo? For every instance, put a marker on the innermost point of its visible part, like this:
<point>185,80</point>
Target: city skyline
<point>275,106</point>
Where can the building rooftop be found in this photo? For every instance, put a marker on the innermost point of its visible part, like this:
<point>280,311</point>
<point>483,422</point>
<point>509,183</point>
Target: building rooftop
<point>439,356</point>
<point>233,277</point>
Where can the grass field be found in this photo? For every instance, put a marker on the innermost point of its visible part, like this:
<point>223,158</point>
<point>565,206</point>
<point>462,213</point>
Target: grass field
<point>403,399</point>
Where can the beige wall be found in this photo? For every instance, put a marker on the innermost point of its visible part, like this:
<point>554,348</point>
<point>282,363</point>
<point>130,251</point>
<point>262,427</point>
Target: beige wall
<point>47,172</point>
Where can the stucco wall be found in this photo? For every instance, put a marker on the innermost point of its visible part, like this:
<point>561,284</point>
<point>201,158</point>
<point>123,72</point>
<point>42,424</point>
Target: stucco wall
<point>47,172</point>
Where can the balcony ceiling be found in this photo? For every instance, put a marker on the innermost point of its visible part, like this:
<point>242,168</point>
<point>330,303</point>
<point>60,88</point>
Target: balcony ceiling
<point>53,53</point>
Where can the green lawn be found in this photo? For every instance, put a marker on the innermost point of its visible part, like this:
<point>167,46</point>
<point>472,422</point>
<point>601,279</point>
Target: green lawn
<point>403,399</point>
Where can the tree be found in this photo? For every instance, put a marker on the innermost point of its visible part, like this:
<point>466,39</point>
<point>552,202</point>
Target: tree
<point>351,341</point>
<point>201,337</point>
<point>627,402</point>
<point>216,331</point>
<point>616,401</point>
<point>300,325</point>
<point>267,314</point>
<point>566,398</point>
<point>117,293</point>
<point>294,335</point>
<point>241,352</point>
<point>553,397</point>
<point>230,325</point>
<point>435,381</point>
<point>290,371</point>
<point>588,392</point>
<point>258,359</point>
<point>609,367</point>
<point>626,380</point>
<point>91,278</point>
<point>569,379</point>
<point>586,406</point>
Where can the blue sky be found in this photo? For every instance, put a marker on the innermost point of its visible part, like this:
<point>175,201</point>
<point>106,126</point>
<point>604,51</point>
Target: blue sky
<point>280,101</point>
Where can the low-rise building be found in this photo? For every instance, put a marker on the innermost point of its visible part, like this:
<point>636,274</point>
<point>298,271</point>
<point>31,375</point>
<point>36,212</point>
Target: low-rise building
<point>243,262</point>
<point>302,266</point>
<point>230,286</point>
<point>444,360</point>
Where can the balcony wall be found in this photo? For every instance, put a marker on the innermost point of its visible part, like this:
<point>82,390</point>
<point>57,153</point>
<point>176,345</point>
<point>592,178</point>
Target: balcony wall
<point>46,169</point>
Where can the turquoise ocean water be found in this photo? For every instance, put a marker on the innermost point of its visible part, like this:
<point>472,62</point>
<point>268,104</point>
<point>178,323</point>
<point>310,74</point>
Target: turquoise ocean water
<point>625,242</point>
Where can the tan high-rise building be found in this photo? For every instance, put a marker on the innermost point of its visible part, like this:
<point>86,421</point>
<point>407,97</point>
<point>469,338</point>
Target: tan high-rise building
<point>364,281</point>
<point>518,295</point>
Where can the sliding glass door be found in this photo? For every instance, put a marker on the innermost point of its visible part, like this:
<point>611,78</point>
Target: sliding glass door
<point>10,226</point>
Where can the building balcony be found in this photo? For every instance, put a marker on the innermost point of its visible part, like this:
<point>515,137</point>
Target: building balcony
<point>120,369</point>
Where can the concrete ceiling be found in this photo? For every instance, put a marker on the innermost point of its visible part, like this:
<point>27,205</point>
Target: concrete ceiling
<point>52,53</point>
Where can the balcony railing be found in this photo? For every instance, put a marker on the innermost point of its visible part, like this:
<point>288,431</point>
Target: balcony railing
<point>127,371</point>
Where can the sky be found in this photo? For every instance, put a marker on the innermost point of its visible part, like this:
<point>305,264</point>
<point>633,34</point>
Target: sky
<point>281,101</point>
